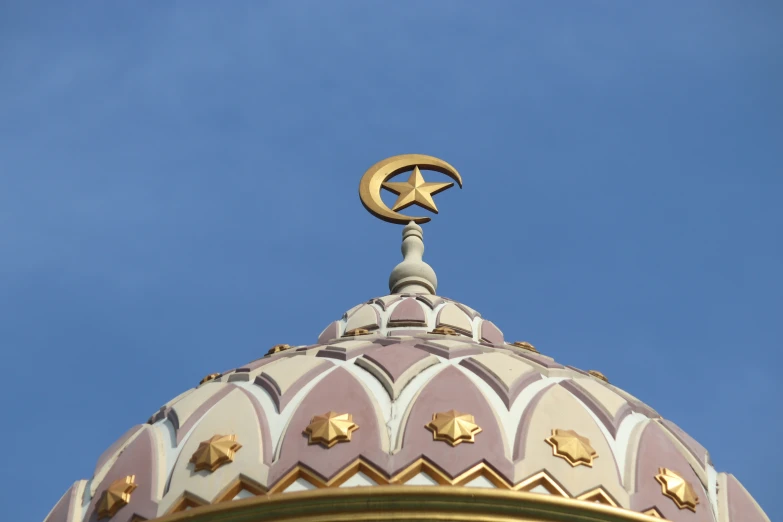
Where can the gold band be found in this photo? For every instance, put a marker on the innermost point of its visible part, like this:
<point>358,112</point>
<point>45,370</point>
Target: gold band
<point>408,503</point>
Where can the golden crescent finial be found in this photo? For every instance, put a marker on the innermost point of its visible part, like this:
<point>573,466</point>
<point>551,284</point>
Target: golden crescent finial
<point>414,191</point>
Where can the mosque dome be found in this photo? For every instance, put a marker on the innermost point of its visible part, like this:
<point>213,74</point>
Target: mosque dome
<point>411,406</point>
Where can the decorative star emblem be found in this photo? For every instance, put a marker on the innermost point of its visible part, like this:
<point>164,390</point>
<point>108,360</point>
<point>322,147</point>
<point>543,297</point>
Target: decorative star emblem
<point>444,330</point>
<point>677,488</point>
<point>117,495</point>
<point>356,332</point>
<point>415,191</point>
<point>279,348</point>
<point>453,427</point>
<point>525,346</point>
<point>598,375</point>
<point>572,447</point>
<point>330,428</point>
<point>213,453</point>
<point>208,378</point>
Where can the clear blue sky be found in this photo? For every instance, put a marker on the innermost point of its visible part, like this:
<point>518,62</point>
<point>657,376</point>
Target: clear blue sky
<point>179,192</point>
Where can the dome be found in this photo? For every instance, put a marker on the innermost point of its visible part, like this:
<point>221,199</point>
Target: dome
<point>410,406</point>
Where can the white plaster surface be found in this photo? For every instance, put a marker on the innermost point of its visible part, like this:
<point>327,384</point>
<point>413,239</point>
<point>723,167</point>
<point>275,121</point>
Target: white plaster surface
<point>360,479</point>
<point>540,489</point>
<point>299,485</point>
<point>243,493</point>
<point>421,479</point>
<point>712,490</point>
<point>480,482</point>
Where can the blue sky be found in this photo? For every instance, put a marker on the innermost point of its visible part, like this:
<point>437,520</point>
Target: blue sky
<point>179,193</point>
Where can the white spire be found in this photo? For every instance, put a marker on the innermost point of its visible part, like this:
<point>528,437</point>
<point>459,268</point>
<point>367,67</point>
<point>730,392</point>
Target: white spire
<point>413,275</point>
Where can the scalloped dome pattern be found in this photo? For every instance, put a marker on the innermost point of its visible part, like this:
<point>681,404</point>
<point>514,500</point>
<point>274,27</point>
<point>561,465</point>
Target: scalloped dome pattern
<point>411,314</point>
<point>392,380</point>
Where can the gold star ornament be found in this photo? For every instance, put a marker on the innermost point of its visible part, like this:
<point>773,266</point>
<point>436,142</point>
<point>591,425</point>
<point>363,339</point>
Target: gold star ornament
<point>213,453</point>
<point>415,191</point>
<point>208,378</point>
<point>453,427</point>
<point>117,495</point>
<point>677,488</point>
<point>279,348</point>
<point>444,330</point>
<point>330,428</point>
<point>525,346</point>
<point>598,375</point>
<point>572,447</point>
<point>356,332</point>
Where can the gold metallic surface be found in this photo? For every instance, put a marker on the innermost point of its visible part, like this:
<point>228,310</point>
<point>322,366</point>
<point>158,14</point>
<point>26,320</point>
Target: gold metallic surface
<point>653,512</point>
<point>453,427</point>
<point>525,346</point>
<point>543,479</point>
<point>240,484</point>
<point>330,490</point>
<point>444,330</point>
<point>356,331</point>
<point>279,348</point>
<point>330,428</point>
<point>117,495</point>
<point>213,453</point>
<point>414,191</point>
<point>419,503</point>
<point>302,472</point>
<point>677,488</point>
<point>598,375</point>
<point>421,465</point>
<point>598,495</point>
<point>187,501</point>
<point>210,377</point>
<point>572,447</point>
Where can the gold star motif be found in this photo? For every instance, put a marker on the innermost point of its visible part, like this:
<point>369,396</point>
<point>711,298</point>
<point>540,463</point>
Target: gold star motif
<point>415,191</point>
<point>677,488</point>
<point>330,428</point>
<point>444,330</point>
<point>356,332</point>
<point>525,346</point>
<point>210,377</point>
<point>117,495</point>
<point>572,447</point>
<point>598,375</point>
<point>279,348</point>
<point>213,453</point>
<point>453,427</point>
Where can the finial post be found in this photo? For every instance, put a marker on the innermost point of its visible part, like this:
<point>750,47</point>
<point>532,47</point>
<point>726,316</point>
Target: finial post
<point>413,275</point>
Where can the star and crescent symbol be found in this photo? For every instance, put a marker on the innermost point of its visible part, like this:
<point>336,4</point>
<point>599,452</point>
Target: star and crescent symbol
<point>415,191</point>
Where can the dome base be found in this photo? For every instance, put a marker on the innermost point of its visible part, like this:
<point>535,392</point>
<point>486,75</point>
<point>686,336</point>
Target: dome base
<point>419,503</point>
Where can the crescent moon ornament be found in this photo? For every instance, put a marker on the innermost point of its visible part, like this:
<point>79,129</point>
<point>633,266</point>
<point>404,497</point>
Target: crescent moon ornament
<point>413,192</point>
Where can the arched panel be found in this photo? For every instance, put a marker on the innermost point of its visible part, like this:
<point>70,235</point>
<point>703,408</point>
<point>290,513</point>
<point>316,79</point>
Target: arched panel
<point>564,453</point>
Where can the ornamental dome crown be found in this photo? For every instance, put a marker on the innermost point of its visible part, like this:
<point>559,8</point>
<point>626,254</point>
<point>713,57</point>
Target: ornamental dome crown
<point>410,406</point>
